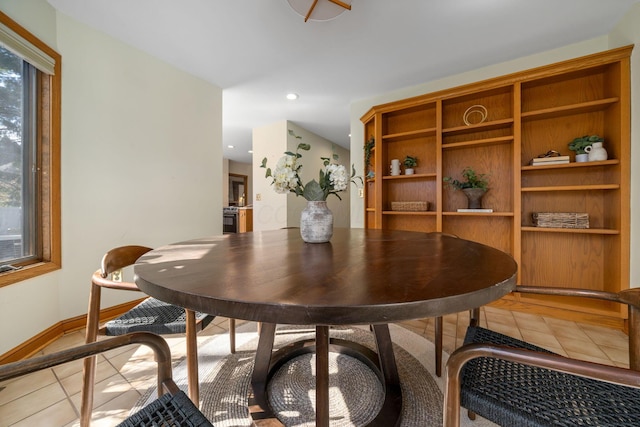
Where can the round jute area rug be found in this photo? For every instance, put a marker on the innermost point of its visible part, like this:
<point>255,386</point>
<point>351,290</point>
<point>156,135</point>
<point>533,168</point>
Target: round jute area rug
<point>355,392</point>
<point>356,395</point>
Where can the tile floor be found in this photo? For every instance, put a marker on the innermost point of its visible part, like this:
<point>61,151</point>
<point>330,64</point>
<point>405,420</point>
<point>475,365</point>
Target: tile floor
<point>52,397</point>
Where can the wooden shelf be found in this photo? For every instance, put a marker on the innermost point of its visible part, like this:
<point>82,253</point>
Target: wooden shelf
<point>496,124</point>
<point>479,142</point>
<point>569,230</point>
<point>572,188</point>
<point>506,214</point>
<point>610,162</point>
<point>565,110</point>
<point>414,176</point>
<point>410,213</point>
<point>528,113</point>
<point>411,134</point>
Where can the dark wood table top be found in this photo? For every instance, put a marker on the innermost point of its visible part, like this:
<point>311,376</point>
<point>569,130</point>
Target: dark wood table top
<point>362,276</point>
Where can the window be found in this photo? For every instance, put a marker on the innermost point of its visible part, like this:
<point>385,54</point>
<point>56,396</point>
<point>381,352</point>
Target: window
<point>29,155</point>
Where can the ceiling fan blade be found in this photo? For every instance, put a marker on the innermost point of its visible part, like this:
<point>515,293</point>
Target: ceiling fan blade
<point>341,3</point>
<point>306,18</point>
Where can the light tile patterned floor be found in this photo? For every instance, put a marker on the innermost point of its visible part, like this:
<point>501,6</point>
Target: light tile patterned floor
<point>52,397</point>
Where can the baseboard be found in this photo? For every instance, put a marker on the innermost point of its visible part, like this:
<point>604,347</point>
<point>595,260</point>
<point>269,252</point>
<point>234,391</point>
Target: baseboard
<point>44,338</point>
<point>559,313</point>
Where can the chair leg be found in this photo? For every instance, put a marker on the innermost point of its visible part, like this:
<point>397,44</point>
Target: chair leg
<point>634,340</point>
<point>438,340</point>
<point>192,358</point>
<point>474,317</point>
<point>89,367</point>
<point>232,335</point>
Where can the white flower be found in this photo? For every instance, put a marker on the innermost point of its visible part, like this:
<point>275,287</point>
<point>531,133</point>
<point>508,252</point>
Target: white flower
<point>284,176</point>
<point>337,177</point>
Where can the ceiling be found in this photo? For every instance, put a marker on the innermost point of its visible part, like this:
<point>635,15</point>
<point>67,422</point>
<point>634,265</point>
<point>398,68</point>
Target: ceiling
<point>257,51</point>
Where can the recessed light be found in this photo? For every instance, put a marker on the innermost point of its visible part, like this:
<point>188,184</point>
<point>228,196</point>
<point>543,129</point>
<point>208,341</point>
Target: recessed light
<point>231,146</point>
<point>292,96</point>
<point>250,151</point>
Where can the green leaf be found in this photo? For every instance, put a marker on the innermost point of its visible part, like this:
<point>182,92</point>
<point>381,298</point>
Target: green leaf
<point>264,163</point>
<point>313,192</point>
<point>303,146</point>
<point>293,134</point>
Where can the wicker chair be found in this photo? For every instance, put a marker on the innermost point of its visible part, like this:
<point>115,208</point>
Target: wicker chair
<point>173,407</point>
<point>150,315</point>
<point>511,382</point>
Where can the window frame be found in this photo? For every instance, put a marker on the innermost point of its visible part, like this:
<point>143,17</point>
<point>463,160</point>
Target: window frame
<point>48,135</point>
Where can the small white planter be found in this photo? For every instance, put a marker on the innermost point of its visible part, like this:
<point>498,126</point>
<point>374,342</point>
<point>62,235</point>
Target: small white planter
<point>581,158</point>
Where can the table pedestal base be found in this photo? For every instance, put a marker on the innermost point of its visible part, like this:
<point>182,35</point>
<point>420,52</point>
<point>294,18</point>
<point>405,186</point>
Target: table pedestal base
<point>267,363</point>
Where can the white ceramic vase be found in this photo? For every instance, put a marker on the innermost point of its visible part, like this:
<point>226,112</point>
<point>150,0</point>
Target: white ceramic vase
<point>596,152</point>
<point>316,222</point>
<point>395,167</point>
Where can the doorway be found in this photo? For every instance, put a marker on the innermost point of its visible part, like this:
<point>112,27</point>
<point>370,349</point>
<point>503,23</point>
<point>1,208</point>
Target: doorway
<point>237,190</point>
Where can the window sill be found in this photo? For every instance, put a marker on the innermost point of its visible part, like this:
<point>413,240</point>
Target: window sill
<point>27,272</point>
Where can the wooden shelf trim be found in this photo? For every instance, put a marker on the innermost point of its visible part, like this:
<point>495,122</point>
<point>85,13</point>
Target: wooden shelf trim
<point>505,214</point>
<point>569,230</point>
<point>572,188</point>
<point>572,165</point>
<point>479,142</point>
<point>496,124</point>
<point>414,176</point>
<point>564,110</point>
<point>410,134</point>
<point>411,213</point>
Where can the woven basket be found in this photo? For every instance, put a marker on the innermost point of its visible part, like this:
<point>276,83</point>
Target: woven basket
<point>560,219</point>
<point>410,206</point>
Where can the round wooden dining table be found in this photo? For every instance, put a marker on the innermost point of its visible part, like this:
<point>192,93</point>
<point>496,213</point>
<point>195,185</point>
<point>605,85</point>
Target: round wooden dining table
<point>361,277</point>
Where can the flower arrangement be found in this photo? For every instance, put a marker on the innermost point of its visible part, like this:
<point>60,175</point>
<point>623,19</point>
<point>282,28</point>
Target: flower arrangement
<point>333,178</point>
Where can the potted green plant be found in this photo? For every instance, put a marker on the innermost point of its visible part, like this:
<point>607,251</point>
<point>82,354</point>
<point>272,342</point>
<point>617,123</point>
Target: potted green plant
<point>580,144</point>
<point>410,162</point>
<point>473,185</point>
<point>368,151</point>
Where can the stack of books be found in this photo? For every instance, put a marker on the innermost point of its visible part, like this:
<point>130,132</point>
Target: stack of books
<point>558,160</point>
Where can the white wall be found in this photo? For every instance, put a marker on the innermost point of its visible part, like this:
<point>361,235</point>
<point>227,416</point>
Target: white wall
<point>269,208</point>
<point>280,210</point>
<point>141,163</point>
<point>312,162</point>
